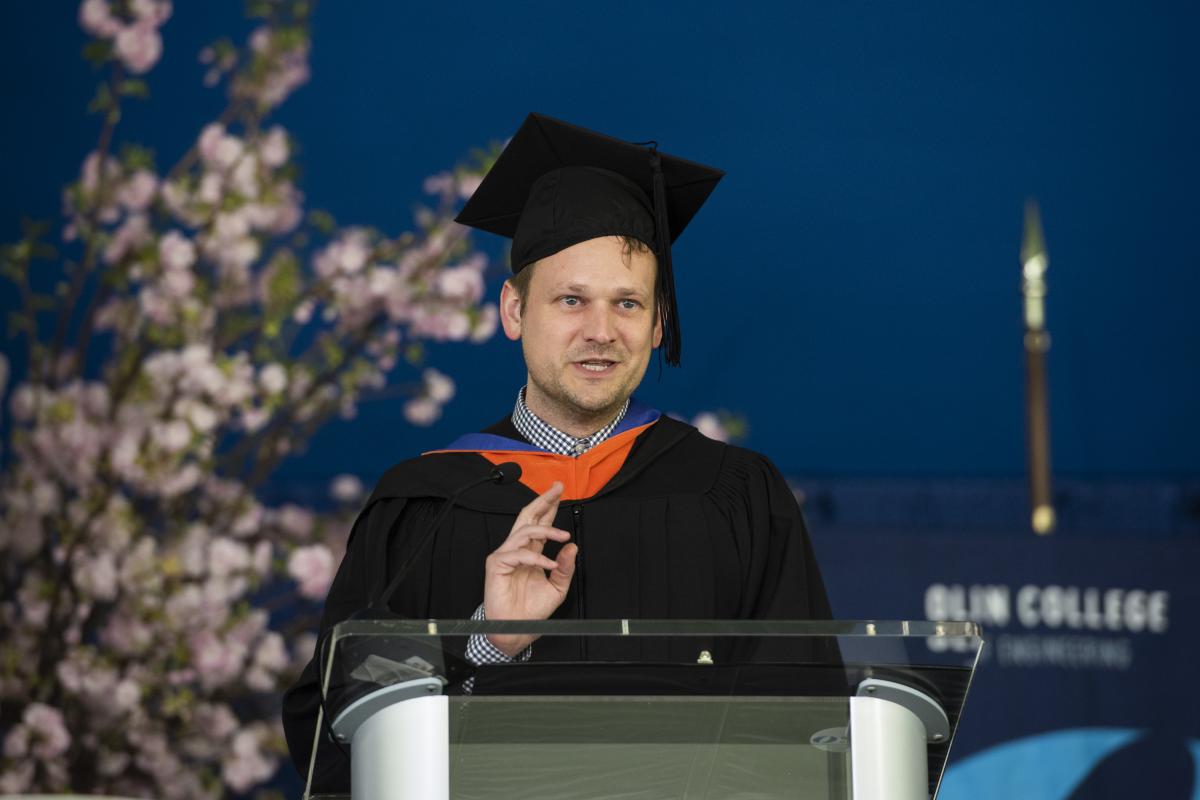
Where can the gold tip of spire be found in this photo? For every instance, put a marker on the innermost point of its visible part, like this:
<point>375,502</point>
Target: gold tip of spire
<point>1032,242</point>
<point>1043,520</point>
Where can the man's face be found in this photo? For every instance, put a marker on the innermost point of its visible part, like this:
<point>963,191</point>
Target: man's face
<point>587,329</point>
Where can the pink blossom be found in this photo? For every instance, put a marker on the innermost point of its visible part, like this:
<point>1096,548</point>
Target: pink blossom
<point>96,18</point>
<point>173,435</point>
<point>89,179</point>
<point>439,387</point>
<point>210,188</point>
<point>95,398</point>
<point>260,39</point>
<point>133,233</point>
<point>139,46</point>
<point>295,521</point>
<point>302,315</point>
<point>271,653</point>
<point>248,522</point>
<point>154,12</point>
<point>214,721</point>
<point>126,696</point>
<point>217,661</point>
<point>176,252</point>
<point>199,415</point>
<point>182,480</point>
<point>253,419</point>
<point>189,608</point>
<point>225,556</point>
<point>177,284</point>
<point>303,648</point>
<point>96,575</point>
<point>291,71</point>
<point>270,659</point>
<point>440,184</point>
<point>244,177</point>
<point>456,325</point>
<point>353,252</point>
<point>383,282</point>
<point>154,756</point>
<point>18,778</point>
<point>219,148</point>
<point>123,454</point>
<point>710,425</point>
<point>261,561</point>
<point>246,765</point>
<point>463,284</point>
<point>126,634</point>
<point>485,323</point>
<point>312,567</point>
<point>249,628</point>
<point>273,149</point>
<point>111,763</point>
<point>137,192</point>
<point>422,411</point>
<point>234,255</point>
<point>273,378</point>
<point>288,214</point>
<point>46,497</point>
<point>346,488</point>
<point>47,731</point>
<point>468,184</point>
<point>16,744</point>
<point>24,402</point>
<point>35,606</point>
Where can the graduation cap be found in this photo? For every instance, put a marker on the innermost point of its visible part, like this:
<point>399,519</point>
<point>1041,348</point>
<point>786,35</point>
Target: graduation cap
<point>556,185</point>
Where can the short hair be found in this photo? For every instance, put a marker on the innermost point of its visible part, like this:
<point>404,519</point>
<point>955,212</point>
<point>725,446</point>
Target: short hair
<point>632,244</point>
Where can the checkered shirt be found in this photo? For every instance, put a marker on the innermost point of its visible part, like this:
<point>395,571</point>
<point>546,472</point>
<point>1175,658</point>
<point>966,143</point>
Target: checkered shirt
<point>547,437</point>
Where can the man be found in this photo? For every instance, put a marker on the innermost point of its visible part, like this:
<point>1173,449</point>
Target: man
<point>620,512</point>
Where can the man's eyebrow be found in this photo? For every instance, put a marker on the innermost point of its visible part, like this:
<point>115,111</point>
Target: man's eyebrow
<point>619,291</point>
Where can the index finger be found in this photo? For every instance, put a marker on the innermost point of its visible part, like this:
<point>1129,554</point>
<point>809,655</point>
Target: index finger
<point>544,504</point>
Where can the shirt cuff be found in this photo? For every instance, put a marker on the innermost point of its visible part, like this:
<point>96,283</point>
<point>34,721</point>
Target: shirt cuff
<point>481,651</point>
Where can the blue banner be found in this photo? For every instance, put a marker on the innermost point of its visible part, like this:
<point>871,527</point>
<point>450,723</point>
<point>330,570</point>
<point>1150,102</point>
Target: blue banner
<point>1087,682</point>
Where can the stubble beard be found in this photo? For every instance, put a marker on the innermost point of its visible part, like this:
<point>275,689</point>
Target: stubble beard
<point>574,407</point>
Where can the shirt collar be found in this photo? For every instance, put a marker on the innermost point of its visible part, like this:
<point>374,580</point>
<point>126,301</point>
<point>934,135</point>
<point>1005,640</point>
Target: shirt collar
<point>544,435</point>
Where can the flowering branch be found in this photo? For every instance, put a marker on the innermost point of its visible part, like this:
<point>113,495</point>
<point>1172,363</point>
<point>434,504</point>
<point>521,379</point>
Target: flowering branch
<point>206,327</point>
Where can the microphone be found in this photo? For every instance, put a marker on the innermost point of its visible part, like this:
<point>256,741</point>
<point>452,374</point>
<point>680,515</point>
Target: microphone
<point>501,475</point>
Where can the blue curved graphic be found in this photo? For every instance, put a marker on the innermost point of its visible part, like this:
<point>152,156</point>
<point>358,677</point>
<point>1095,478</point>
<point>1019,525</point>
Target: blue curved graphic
<point>1194,746</point>
<point>1043,767</point>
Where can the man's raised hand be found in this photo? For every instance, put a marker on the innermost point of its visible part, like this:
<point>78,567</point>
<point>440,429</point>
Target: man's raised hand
<point>520,582</point>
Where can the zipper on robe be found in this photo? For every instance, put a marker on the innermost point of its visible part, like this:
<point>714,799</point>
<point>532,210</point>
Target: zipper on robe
<point>580,605</point>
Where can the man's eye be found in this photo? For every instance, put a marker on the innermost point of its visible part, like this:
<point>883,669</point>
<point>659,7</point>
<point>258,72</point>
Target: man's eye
<point>630,305</point>
<point>570,300</point>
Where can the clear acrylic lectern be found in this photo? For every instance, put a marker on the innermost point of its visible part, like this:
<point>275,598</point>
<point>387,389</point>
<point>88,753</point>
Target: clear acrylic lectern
<point>647,709</point>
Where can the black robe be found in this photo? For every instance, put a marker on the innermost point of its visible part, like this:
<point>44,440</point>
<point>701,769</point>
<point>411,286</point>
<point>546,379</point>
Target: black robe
<point>688,528</point>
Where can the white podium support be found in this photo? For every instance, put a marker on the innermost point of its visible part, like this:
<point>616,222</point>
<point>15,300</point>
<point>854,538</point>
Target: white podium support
<point>400,742</point>
<point>890,727</point>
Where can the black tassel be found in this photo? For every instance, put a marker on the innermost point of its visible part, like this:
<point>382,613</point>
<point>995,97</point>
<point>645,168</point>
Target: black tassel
<point>671,341</point>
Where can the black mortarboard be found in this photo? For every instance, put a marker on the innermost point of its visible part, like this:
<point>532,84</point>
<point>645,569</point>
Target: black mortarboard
<point>557,184</point>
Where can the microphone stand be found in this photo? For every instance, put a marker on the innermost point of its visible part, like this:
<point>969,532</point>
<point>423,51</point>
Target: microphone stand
<point>502,475</point>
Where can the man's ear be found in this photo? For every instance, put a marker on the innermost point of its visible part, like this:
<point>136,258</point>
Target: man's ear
<point>510,311</point>
<point>658,326</point>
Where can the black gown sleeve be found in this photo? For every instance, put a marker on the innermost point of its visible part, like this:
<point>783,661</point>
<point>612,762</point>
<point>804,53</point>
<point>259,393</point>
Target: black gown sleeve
<point>780,578</point>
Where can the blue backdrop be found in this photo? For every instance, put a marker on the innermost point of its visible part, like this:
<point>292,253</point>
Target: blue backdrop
<point>851,288</point>
<point>852,285</point>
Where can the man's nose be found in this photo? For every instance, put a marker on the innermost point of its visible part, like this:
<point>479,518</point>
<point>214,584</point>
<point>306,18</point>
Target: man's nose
<point>598,325</point>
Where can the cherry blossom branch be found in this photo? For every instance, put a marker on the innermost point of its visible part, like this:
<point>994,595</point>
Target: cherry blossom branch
<point>111,117</point>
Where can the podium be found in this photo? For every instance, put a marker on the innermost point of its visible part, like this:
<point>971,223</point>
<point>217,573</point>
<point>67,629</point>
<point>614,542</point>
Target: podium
<point>646,709</point>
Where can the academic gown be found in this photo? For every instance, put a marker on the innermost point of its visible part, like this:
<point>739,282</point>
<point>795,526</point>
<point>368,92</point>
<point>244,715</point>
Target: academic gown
<point>682,527</point>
